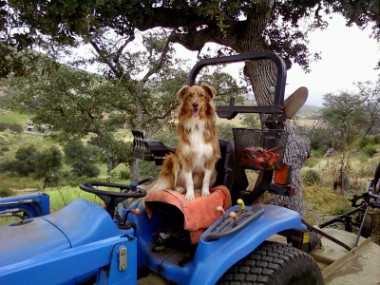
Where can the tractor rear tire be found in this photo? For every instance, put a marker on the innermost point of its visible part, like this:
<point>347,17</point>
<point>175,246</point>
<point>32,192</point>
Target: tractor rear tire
<point>274,264</point>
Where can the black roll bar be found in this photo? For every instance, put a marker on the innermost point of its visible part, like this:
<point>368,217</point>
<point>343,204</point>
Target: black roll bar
<point>231,111</point>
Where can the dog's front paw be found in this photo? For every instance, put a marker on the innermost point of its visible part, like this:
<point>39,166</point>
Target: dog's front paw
<point>180,189</point>
<point>190,195</point>
<point>205,192</point>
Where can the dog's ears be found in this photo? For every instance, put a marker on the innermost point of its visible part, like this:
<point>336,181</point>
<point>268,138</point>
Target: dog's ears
<point>182,92</point>
<point>211,91</point>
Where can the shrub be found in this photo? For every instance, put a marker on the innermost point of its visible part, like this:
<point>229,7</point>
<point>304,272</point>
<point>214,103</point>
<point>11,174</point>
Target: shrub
<point>4,192</point>
<point>148,169</point>
<point>75,181</point>
<point>317,153</point>
<point>25,163</point>
<point>311,162</point>
<point>89,170</point>
<point>81,158</point>
<point>112,175</point>
<point>48,166</point>
<point>310,177</point>
<point>3,127</point>
<point>6,166</point>
<point>363,158</point>
<point>4,149</point>
<point>369,149</point>
<point>12,127</point>
<point>365,141</point>
<point>321,140</point>
<point>15,128</point>
<point>376,139</point>
<point>124,175</point>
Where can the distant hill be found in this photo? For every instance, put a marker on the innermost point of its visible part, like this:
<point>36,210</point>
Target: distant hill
<point>308,116</point>
<point>310,112</point>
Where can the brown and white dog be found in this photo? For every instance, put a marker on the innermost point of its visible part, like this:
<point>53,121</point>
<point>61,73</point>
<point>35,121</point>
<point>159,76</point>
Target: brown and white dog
<point>192,166</point>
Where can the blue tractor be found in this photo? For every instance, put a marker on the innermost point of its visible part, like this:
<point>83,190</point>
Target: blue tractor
<point>125,243</point>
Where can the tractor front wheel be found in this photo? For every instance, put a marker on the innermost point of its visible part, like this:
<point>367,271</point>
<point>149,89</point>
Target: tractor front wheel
<point>274,264</point>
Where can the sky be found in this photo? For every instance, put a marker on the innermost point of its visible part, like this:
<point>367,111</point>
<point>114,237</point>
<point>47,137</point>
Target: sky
<point>348,55</point>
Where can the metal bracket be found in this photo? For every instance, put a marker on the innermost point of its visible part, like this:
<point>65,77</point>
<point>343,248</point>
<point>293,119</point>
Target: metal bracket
<point>123,254</point>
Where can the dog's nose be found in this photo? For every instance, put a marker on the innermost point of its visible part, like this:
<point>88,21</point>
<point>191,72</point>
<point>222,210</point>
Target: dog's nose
<point>195,105</point>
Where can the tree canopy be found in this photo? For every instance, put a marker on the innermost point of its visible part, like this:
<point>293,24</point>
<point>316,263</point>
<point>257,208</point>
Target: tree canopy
<point>241,26</point>
<point>244,26</point>
<point>351,115</point>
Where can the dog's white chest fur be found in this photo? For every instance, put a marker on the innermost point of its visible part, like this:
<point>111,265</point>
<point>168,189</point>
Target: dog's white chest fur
<point>198,148</point>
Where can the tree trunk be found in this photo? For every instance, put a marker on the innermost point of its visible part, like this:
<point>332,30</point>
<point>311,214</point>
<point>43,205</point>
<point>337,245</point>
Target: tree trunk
<point>262,75</point>
<point>134,170</point>
<point>296,152</point>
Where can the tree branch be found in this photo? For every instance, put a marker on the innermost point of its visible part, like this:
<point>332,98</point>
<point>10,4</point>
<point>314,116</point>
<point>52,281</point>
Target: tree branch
<point>169,18</point>
<point>105,59</point>
<point>195,39</point>
<point>159,121</point>
<point>156,67</point>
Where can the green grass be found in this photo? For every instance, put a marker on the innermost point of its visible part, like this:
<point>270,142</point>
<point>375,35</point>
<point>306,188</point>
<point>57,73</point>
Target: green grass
<point>59,197</point>
<point>64,195</point>
<point>13,118</point>
<point>323,200</point>
<point>17,183</point>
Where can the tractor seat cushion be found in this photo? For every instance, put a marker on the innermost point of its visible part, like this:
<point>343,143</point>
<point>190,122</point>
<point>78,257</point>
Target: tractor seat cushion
<point>198,214</point>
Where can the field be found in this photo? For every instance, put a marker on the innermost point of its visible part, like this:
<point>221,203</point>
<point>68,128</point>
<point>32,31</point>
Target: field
<point>321,198</point>
<point>13,118</point>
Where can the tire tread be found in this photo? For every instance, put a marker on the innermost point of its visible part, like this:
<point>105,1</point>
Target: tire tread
<point>274,264</point>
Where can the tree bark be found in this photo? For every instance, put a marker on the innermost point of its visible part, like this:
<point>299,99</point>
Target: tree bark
<point>134,170</point>
<point>296,152</point>
<point>262,75</point>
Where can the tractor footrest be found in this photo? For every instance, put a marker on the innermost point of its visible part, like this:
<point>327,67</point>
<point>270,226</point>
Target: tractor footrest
<point>232,223</point>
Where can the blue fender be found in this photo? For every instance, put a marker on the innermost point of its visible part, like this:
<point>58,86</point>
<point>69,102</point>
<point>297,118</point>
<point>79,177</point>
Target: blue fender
<point>27,206</point>
<point>213,258</point>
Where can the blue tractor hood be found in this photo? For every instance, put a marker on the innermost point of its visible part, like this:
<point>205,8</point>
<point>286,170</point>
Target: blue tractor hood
<point>81,222</point>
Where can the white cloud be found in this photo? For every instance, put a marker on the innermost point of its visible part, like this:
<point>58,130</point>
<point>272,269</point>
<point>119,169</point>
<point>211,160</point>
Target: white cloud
<point>349,55</point>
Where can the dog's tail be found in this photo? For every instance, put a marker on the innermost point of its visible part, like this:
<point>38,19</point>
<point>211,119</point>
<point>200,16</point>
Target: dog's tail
<point>161,184</point>
<point>166,178</point>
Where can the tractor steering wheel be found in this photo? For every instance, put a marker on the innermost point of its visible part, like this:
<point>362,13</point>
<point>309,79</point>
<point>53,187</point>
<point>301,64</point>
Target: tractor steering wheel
<point>112,198</point>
